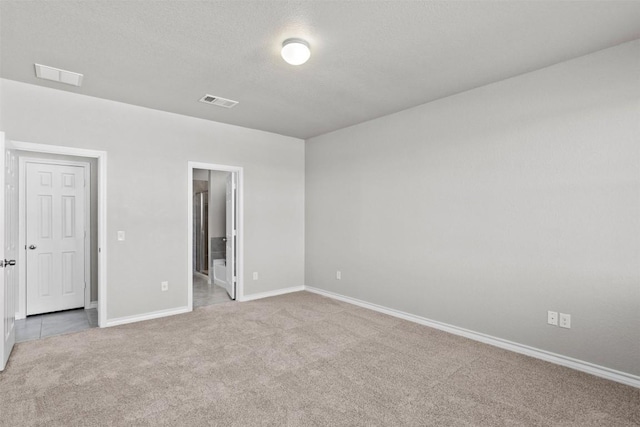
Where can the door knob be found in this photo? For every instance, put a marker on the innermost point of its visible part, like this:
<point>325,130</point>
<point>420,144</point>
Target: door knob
<point>9,262</point>
<point>32,247</point>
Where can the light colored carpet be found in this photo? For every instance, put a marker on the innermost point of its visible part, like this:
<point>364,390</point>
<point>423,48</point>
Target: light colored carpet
<point>295,360</point>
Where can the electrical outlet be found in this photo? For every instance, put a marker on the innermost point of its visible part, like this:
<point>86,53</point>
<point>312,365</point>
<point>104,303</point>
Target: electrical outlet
<point>565,320</point>
<point>552,318</point>
<point>338,275</point>
<point>164,286</point>
<point>255,275</point>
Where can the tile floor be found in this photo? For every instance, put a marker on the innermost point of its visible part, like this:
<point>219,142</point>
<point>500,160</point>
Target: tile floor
<point>65,322</point>
<point>207,294</point>
<point>50,324</point>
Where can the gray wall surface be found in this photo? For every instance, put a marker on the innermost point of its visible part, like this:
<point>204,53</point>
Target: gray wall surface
<point>200,175</point>
<point>149,150</point>
<point>217,216</point>
<point>218,203</point>
<point>486,209</point>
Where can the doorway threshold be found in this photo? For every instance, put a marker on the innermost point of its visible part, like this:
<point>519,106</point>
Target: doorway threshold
<point>52,324</point>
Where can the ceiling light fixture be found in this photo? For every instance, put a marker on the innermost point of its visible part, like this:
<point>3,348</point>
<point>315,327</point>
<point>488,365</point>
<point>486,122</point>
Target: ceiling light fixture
<point>295,51</point>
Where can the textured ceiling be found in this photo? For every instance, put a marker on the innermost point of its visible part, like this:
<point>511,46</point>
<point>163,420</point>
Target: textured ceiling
<point>368,58</point>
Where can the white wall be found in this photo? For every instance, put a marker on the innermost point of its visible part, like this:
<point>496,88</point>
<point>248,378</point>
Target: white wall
<point>200,175</point>
<point>148,152</point>
<point>218,203</point>
<point>488,208</point>
<point>217,211</point>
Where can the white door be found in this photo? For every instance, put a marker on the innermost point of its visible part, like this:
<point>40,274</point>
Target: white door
<point>231,236</point>
<point>8,250</point>
<point>55,228</point>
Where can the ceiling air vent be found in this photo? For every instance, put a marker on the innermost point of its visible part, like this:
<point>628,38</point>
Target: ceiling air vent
<point>58,75</point>
<point>216,100</point>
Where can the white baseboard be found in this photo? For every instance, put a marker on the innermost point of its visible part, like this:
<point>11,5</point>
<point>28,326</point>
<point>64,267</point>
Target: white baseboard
<point>147,316</point>
<point>271,293</point>
<point>580,365</point>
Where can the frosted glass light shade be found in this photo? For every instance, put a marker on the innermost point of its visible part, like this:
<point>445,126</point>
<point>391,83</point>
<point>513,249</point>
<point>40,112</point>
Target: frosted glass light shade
<point>295,51</point>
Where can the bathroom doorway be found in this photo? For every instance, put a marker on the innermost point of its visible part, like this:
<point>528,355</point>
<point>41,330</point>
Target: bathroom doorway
<point>214,234</point>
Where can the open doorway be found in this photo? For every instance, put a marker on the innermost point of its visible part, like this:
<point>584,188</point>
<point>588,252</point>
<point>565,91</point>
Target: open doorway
<point>215,234</point>
<point>74,174</point>
<point>58,286</point>
<point>210,258</point>
<point>68,190</point>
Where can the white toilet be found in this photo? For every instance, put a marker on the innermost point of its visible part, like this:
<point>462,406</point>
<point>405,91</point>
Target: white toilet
<point>220,272</point>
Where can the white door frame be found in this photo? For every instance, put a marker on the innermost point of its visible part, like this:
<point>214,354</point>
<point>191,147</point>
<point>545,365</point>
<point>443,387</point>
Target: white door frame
<point>101,157</point>
<point>22,239</point>
<point>240,224</point>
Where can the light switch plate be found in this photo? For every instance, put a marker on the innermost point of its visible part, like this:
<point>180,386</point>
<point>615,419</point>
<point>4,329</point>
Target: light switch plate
<point>120,235</point>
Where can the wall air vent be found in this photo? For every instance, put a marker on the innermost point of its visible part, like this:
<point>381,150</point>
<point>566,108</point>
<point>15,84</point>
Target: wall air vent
<point>220,102</point>
<point>58,75</point>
